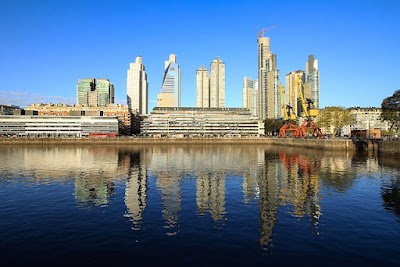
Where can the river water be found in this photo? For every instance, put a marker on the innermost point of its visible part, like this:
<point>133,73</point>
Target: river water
<point>211,205</point>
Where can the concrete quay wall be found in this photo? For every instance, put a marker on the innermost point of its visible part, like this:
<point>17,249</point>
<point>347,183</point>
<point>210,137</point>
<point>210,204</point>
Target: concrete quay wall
<point>389,147</point>
<point>340,144</point>
<point>385,147</point>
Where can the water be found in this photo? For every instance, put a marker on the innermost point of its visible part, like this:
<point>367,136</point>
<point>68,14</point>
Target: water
<point>218,205</point>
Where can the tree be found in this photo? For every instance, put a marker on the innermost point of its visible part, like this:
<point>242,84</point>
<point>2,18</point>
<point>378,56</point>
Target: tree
<point>391,110</point>
<point>272,126</point>
<point>335,118</point>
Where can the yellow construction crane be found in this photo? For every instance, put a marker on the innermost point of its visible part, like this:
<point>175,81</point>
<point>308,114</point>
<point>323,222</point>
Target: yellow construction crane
<point>287,111</point>
<point>309,111</point>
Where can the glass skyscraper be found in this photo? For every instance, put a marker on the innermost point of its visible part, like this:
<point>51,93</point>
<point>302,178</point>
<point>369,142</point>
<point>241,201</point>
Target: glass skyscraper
<point>170,95</point>
<point>94,92</point>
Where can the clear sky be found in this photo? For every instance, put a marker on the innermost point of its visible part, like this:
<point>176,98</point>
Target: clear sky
<point>47,45</point>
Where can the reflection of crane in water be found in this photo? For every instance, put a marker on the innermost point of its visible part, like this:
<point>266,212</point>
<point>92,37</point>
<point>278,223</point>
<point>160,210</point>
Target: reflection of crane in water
<point>301,185</point>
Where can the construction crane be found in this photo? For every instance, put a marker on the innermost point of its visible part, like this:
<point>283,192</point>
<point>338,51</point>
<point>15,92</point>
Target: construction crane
<point>308,109</point>
<point>261,33</point>
<point>309,112</point>
<point>288,115</point>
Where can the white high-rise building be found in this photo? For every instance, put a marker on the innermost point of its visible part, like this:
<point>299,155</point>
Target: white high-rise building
<point>264,54</point>
<point>137,87</point>
<point>170,95</point>
<point>217,84</point>
<point>202,88</point>
<point>248,94</point>
<point>268,95</point>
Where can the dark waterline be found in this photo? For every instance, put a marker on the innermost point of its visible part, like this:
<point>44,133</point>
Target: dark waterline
<point>211,205</point>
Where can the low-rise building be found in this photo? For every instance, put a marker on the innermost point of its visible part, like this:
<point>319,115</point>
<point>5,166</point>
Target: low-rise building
<point>366,119</point>
<point>57,126</point>
<point>201,122</point>
<point>122,112</point>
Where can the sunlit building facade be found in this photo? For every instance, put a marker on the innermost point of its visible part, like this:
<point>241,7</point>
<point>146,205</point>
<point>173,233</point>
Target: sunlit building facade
<point>57,126</point>
<point>201,122</point>
<point>94,92</point>
<point>202,88</point>
<point>170,95</point>
<point>248,94</point>
<point>122,112</point>
<point>217,84</point>
<point>137,87</point>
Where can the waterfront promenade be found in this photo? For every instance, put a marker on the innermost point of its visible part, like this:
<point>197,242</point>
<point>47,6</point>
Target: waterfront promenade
<point>387,147</point>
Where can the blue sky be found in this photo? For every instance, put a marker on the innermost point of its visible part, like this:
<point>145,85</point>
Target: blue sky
<point>47,45</point>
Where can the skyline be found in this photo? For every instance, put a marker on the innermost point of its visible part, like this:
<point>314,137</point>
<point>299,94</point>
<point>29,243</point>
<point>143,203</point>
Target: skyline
<point>49,46</point>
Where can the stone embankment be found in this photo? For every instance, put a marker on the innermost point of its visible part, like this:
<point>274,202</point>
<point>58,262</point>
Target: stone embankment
<point>387,147</point>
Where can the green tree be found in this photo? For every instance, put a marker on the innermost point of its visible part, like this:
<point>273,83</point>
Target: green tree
<point>391,110</point>
<point>335,117</point>
<point>272,126</point>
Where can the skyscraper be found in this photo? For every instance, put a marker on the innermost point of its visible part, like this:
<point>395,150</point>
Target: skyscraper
<point>272,89</point>
<point>137,87</point>
<point>94,92</point>
<point>248,93</point>
<point>268,101</point>
<point>170,95</point>
<point>312,79</point>
<point>217,84</point>
<point>202,88</point>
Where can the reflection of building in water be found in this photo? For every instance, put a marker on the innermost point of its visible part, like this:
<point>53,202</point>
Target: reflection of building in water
<point>210,194</point>
<point>169,183</point>
<point>93,189</point>
<point>267,186</point>
<point>250,187</point>
<point>60,163</point>
<point>301,185</point>
<point>136,187</point>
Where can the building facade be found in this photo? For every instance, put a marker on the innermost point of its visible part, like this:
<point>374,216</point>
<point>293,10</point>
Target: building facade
<point>312,81</point>
<point>292,92</point>
<point>272,89</point>
<point>94,92</point>
<point>57,126</point>
<point>137,87</point>
<point>122,112</point>
<point>201,122</point>
<point>248,94</point>
<point>170,95</point>
<point>268,95</point>
<point>217,84</point>
<point>202,88</point>
<point>366,119</point>
<point>8,109</point>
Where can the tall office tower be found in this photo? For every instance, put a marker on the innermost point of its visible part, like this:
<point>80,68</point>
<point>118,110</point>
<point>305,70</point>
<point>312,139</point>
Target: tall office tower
<point>263,54</point>
<point>248,94</point>
<point>137,87</point>
<point>202,88</point>
<point>217,84</point>
<point>272,89</point>
<point>268,81</point>
<point>312,80</point>
<point>170,95</point>
<point>293,87</point>
<point>94,92</point>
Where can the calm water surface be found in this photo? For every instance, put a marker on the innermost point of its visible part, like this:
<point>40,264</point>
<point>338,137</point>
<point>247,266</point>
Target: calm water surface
<point>206,205</point>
